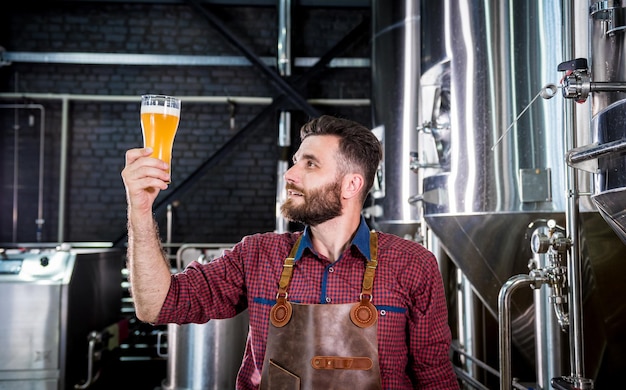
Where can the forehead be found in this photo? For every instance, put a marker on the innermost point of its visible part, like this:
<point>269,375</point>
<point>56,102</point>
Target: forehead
<point>319,146</point>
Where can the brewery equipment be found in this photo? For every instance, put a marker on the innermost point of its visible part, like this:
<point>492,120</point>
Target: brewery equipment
<point>493,148</point>
<point>203,356</point>
<point>52,299</point>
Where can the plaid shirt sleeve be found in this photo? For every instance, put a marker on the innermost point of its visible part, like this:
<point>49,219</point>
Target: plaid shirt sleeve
<point>200,293</point>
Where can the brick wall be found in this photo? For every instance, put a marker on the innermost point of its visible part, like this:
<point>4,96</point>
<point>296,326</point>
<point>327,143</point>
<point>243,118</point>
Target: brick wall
<point>236,195</point>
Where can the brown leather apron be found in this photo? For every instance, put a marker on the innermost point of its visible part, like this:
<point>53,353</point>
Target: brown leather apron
<point>323,346</point>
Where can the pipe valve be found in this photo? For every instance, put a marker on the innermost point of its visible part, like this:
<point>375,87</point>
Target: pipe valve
<point>577,80</point>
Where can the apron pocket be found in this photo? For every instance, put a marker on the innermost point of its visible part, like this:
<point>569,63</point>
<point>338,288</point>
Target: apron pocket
<point>281,379</point>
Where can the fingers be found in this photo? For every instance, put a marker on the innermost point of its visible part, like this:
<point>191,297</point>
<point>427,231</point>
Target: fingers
<point>144,176</point>
<point>133,154</point>
<point>139,164</point>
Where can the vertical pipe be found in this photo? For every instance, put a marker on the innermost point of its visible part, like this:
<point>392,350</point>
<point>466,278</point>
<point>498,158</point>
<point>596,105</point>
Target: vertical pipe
<point>284,38</point>
<point>168,229</point>
<point>284,126</point>
<point>572,219</point>
<point>468,322</point>
<point>547,331</point>
<point>63,167</point>
<point>16,161</point>
<point>40,221</point>
<point>504,321</point>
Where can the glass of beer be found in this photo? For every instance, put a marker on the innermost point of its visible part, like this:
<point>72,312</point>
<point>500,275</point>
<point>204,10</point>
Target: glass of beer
<point>160,115</point>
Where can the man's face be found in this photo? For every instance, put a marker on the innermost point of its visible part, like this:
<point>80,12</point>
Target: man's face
<point>315,206</point>
<point>313,186</point>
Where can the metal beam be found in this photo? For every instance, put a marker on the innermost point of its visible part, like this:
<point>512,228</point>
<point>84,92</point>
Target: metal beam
<point>85,58</point>
<point>251,3</point>
<point>254,59</point>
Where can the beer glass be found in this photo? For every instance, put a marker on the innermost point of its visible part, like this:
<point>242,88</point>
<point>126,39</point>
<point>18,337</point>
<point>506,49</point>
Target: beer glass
<point>160,115</point>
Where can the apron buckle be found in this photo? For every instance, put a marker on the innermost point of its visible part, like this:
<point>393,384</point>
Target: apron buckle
<point>341,363</point>
<point>364,313</point>
<point>281,312</point>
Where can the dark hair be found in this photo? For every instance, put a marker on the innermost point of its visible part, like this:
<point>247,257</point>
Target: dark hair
<point>359,148</point>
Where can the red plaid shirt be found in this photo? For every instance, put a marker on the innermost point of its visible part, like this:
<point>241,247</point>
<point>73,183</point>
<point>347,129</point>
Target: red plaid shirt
<point>413,332</point>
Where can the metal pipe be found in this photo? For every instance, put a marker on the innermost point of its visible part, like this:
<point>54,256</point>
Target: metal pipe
<point>16,162</point>
<point>573,270</point>
<point>547,341</point>
<point>284,38</point>
<point>42,140</point>
<point>477,362</point>
<point>504,321</point>
<point>606,86</point>
<point>63,167</point>
<point>190,245</point>
<point>572,213</point>
<point>572,221</point>
<point>40,219</point>
<point>254,100</point>
<point>168,230</point>
<point>594,151</point>
<point>83,58</point>
<point>284,124</point>
<point>248,100</point>
<point>469,322</point>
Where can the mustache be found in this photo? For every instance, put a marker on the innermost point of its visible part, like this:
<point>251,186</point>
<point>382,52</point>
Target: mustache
<point>290,186</point>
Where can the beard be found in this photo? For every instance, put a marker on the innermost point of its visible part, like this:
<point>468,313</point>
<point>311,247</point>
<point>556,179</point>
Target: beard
<point>320,205</point>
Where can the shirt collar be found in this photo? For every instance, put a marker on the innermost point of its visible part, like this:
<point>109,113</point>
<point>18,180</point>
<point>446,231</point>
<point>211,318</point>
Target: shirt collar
<point>361,240</point>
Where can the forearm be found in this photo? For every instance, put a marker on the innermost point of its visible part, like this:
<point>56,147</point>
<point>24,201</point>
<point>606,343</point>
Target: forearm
<point>149,269</point>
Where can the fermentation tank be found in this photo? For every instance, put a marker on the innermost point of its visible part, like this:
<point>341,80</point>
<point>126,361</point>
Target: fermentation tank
<point>608,69</point>
<point>493,149</point>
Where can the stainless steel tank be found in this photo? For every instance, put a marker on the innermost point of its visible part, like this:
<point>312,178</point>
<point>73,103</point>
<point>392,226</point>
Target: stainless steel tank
<point>395,84</point>
<point>503,174</point>
<point>204,356</point>
<point>507,165</point>
<point>608,64</point>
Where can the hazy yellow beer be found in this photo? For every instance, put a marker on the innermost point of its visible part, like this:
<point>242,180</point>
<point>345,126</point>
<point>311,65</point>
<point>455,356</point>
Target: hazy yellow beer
<point>159,121</point>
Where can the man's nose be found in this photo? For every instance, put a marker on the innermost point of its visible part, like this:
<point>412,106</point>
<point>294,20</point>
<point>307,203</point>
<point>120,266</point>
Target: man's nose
<point>290,174</point>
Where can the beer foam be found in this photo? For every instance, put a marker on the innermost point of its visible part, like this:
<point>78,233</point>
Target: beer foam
<point>165,110</point>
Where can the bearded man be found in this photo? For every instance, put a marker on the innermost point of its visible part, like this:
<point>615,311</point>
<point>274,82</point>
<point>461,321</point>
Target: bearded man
<point>334,306</point>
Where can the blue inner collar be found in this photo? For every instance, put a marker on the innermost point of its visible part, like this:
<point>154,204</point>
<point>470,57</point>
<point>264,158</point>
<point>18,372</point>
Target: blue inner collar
<point>361,240</point>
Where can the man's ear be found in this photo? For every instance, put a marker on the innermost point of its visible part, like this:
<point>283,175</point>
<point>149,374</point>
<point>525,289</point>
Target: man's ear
<point>352,185</point>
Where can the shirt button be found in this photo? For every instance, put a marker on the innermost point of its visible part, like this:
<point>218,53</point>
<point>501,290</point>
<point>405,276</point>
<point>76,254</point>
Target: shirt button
<point>331,269</point>
<point>328,299</point>
<point>383,312</point>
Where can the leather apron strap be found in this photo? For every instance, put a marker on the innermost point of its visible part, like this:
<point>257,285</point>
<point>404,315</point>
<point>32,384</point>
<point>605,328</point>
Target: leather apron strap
<point>318,346</point>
